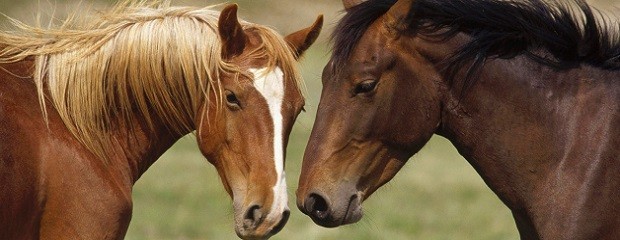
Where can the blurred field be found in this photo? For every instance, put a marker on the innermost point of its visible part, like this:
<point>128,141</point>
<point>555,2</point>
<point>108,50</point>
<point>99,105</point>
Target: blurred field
<point>436,196</point>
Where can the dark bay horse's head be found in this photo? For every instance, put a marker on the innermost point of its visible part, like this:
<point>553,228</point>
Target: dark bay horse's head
<point>379,105</point>
<point>243,130</point>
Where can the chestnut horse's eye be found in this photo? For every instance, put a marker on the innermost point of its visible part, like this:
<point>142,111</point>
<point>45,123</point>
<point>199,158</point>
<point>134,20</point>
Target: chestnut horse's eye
<point>231,100</point>
<point>365,87</point>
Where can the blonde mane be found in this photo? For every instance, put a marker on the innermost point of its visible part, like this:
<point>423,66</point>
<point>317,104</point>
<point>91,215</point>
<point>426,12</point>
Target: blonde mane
<point>139,57</point>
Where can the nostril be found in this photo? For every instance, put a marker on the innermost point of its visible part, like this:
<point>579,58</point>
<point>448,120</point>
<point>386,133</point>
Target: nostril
<point>316,206</point>
<point>252,217</point>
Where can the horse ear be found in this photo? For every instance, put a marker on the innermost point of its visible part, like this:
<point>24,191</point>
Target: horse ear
<point>301,40</point>
<point>348,4</point>
<point>396,17</point>
<point>231,33</point>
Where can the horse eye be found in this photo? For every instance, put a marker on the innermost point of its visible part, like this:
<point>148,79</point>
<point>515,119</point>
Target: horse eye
<point>365,86</point>
<point>231,99</point>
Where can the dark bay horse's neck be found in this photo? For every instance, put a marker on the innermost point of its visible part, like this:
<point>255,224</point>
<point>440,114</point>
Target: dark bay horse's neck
<point>546,141</point>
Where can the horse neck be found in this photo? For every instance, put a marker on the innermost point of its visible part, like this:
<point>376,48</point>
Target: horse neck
<point>520,122</point>
<point>137,146</point>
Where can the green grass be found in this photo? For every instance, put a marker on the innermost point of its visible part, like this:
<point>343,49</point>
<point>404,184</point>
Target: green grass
<point>437,195</point>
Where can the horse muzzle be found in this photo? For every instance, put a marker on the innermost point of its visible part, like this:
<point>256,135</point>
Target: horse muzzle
<point>255,223</point>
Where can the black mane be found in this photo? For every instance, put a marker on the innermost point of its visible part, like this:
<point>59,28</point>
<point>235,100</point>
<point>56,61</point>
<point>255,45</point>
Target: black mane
<point>570,31</point>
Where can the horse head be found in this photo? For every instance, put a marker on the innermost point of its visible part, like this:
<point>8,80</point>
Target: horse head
<point>379,105</point>
<point>243,127</point>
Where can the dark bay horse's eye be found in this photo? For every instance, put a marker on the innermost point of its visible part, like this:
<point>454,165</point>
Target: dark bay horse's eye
<point>231,99</point>
<point>365,86</point>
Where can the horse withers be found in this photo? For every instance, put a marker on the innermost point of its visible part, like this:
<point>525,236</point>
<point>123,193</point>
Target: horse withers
<point>86,109</point>
<point>527,91</point>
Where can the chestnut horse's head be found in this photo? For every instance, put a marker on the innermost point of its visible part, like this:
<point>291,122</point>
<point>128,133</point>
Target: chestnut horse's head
<point>379,105</point>
<point>243,128</point>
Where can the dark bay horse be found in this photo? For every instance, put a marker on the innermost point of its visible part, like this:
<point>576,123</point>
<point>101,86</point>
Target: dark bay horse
<point>528,92</point>
<point>87,108</point>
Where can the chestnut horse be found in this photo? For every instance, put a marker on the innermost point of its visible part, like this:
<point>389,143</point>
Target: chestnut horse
<point>86,109</point>
<point>528,92</point>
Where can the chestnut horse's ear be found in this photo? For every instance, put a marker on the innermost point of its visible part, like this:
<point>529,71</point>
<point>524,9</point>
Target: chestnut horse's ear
<point>231,33</point>
<point>396,17</point>
<point>301,40</point>
<point>348,4</point>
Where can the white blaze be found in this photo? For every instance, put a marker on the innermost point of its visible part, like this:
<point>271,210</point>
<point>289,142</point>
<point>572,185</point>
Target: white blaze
<point>271,86</point>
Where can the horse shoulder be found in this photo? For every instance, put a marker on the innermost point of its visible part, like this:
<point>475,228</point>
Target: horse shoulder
<point>20,180</point>
<point>50,185</point>
<point>85,197</point>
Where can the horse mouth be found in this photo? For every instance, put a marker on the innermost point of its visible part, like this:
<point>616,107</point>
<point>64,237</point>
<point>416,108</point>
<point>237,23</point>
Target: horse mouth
<point>280,224</point>
<point>354,210</point>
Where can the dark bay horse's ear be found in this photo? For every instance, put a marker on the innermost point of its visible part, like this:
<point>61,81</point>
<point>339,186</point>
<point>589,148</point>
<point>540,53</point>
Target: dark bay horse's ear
<point>348,4</point>
<point>301,40</point>
<point>396,17</point>
<point>231,33</point>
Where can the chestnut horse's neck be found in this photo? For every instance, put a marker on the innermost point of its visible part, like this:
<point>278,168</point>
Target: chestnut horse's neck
<point>135,145</point>
<point>544,140</point>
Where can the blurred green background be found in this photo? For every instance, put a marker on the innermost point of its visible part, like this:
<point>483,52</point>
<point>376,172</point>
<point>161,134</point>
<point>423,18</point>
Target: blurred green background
<point>437,195</point>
